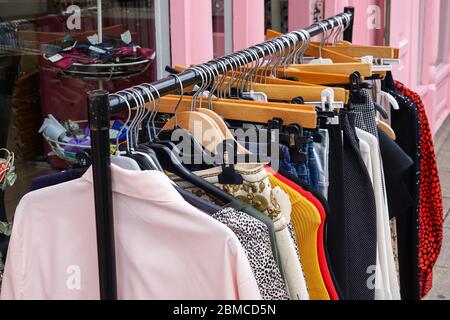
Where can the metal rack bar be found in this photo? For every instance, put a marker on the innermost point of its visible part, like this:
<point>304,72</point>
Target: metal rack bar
<point>190,77</point>
<point>101,106</point>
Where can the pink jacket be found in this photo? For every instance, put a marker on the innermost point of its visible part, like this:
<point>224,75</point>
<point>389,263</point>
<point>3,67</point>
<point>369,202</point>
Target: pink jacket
<point>165,248</point>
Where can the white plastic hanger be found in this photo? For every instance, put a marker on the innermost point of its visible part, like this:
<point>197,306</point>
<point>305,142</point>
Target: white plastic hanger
<point>320,60</point>
<point>392,100</point>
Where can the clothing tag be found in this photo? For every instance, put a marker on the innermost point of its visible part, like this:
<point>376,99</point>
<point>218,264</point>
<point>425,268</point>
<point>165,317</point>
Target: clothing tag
<point>367,59</point>
<point>71,47</point>
<point>96,49</point>
<point>113,134</point>
<point>126,37</point>
<point>93,39</point>
<point>55,58</point>
<point>334,121</point>
<point>321,61</point>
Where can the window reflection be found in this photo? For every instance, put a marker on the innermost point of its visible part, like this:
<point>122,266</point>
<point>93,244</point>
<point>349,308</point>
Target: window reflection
<point>218,16</point>
<point>31,87</point>
<point>276,15</point>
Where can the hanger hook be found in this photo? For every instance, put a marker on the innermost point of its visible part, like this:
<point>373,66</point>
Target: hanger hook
<point>130,131</point>
<point>336,32</point>
<point>194,98</point>
<point>307,42</point>
<point>219,88</point>
<point>215,81</point>
<point>119,95</point>
<point>177,78</point>
<point>322,42</point>
<point>257,65</point>
<point>268,71</point>
<point>348,18</point>
<point>157,106</point>
<point>150,110</point>
<point>279,42</point>
<point>210,73</point>
<point>262,60</point>
<point>269,67</point>
<point>299,48</point>
<point>247,67</point>
<point>142,113</point>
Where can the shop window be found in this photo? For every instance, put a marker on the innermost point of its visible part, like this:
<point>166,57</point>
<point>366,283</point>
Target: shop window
<point>276,15</point>
<point>222,27</point>
<point>444,33</point>
<point>32,87</point>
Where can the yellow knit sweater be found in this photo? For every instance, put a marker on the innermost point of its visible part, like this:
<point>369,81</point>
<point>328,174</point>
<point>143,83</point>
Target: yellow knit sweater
<point>306,221</point>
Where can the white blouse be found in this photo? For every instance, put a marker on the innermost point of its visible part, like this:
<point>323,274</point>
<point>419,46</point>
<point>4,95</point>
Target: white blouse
<point>387,286</point>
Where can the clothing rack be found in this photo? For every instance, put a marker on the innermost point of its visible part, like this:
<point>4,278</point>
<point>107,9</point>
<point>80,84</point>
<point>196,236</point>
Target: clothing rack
<point>102,106</point>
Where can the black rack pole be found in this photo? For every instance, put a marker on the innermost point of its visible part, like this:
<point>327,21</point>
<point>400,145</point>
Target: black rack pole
<point>348,33</point>
<point>99,116</point>
<point>2,207</point>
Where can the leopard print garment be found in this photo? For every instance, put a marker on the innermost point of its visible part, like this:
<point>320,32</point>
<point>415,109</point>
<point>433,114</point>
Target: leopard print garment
<point>254,237</point>
<point>431,215</point>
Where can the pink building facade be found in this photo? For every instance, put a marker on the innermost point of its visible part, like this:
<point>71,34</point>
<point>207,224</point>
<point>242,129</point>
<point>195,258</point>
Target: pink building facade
<point>419,28</point>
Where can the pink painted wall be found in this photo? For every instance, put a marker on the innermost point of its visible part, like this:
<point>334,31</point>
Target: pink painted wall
<point>301,15</point>
<point>418,28</point>
<point>248,23</point>
<point>191,31</point>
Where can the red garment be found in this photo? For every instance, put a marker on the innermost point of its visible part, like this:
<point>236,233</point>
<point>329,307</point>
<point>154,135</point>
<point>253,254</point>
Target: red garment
<point>325,272</point>
<point>431,215</point>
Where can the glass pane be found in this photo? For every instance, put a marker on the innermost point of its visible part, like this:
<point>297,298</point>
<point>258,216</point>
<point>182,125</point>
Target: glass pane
<point>218,16</point>
<point>276,12</point>
<point>32,87</point>
<point>444,33</point>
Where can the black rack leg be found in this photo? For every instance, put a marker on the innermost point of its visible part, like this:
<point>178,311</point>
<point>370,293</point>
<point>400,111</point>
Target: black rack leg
<point>101,166</point>
<point>2,207</point>
<point>348,33</point>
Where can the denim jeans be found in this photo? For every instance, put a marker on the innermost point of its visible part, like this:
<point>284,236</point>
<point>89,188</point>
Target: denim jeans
<point>286,163</point>
<point>308,171</point>
<point>321,152</point>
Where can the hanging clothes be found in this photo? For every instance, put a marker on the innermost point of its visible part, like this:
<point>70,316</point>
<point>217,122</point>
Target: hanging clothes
<point>61,264</point>
<point>405,122</point>
<point>360,219</point>
<point>254,237</point>
<point>387,287</point>
<point>257,191</point>
<point>306,221</point>
<point>431,215</point>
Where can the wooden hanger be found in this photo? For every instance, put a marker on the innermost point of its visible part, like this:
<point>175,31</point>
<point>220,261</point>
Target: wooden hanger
<point>313,50</point>
<point>201,126</point>
<point>342,63</point>
<point>223,128</point>
<point>249,112</point>
<point>285,92</point>
<point>387,129</point>
<point>353,50</point>
<point>365,69</point>
<point>310,78</point>
<point>281,92</point>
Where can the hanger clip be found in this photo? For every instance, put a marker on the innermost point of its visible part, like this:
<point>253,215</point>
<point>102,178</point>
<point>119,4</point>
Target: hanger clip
<point>296,142</point>
<point>273,126</point>
<point>355,88</point>
<point>228,150</point>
